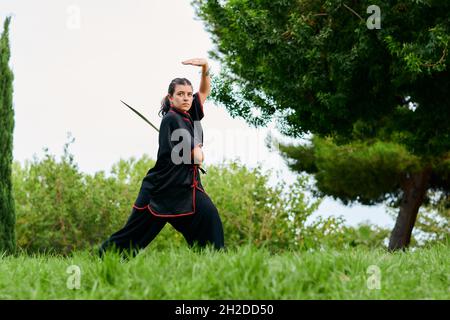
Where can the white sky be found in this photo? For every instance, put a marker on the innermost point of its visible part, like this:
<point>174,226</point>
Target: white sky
<point>74,60</point>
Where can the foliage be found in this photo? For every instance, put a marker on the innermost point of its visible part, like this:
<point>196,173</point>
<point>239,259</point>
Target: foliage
<point>60,209</point>
<point>7,210</point>
<point>363,171</point>
<point>315,66</point>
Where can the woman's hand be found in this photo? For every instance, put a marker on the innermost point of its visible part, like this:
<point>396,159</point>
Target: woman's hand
<point>197,155</point>
<point>196,62</point>
<point>205,82</point>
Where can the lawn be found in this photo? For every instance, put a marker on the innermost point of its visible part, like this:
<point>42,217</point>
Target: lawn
<point>243,273</point>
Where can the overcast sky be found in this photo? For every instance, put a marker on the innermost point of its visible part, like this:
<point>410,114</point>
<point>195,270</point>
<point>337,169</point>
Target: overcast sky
<point>74,60</point>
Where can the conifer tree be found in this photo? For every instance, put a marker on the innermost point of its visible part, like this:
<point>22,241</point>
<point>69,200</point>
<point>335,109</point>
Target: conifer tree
<point>7,208</point>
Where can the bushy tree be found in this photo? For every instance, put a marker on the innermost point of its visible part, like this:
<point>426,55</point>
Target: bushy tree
<point>377,99</point>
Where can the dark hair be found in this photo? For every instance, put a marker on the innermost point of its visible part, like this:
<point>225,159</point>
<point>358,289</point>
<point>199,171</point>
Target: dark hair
<point>165,103</point>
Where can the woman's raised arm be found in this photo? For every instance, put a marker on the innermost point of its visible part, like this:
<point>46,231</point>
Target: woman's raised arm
<point>205,82</point>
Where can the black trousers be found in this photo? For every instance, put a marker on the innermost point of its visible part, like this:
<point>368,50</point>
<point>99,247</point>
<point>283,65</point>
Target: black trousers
<point>201,228</point>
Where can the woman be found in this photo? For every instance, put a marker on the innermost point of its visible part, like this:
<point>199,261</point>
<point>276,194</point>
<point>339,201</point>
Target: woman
<point>172,190</point>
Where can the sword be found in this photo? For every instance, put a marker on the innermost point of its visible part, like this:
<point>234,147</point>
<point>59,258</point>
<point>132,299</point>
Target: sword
<point>140,115</point>
<point>145,119</point>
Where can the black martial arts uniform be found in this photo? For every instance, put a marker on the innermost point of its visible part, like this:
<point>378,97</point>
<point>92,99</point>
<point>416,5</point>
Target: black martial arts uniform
<point>172,192</point>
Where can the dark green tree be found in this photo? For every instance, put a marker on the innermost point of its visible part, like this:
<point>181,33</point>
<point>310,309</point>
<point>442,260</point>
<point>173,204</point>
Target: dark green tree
<point>7,208</point>
<point>375,99</point>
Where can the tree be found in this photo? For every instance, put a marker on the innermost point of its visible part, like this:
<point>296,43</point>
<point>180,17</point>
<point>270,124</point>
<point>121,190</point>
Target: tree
<point>433,221</point>
<point>315,67</point>
<point>7,209</point>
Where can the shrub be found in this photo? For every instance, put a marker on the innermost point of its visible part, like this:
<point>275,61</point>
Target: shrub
<point>61,209</point>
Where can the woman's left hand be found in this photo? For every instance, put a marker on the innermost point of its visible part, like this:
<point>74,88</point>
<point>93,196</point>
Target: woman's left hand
<point>196,62</point>
<point>197,154</point>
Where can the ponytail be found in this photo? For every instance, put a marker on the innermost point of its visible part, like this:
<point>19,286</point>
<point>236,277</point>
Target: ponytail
<point>165,106</point>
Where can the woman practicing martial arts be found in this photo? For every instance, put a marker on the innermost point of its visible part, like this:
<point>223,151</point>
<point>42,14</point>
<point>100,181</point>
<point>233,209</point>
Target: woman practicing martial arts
<point>172,190</point>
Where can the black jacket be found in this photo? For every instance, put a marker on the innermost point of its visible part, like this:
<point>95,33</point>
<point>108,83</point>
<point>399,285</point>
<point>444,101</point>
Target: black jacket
<point>168,189</point>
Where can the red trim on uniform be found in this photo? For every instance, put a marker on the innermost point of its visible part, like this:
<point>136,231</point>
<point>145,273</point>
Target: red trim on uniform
<point>173,215</point>
<point>184,112</point>
<point>194,186</point>
<point>202,190</point>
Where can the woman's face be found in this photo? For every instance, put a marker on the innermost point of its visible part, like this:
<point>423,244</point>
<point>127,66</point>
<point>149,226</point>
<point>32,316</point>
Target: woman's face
<point>182,97</point>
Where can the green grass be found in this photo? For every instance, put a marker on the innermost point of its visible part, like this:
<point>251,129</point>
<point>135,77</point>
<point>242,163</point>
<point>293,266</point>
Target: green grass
<point>244,273</point>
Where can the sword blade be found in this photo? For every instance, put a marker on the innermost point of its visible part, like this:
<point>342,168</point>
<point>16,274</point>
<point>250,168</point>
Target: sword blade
<point>140,115</point>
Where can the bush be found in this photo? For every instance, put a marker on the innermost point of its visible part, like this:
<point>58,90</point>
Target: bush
<point>60,209</point>
<point>255,213</point>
